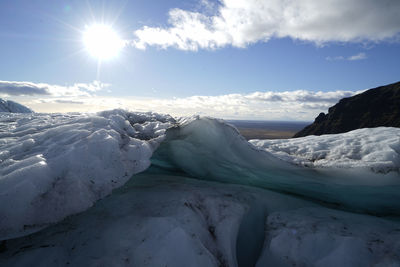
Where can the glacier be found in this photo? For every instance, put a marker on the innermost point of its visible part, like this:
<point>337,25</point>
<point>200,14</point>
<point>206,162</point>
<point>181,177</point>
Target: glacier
<point>149,189</point>
<point>55,165</point>
<point>210,149</point>
<point>376,149</point>
<point>171,220</point>
<point>13,107</point>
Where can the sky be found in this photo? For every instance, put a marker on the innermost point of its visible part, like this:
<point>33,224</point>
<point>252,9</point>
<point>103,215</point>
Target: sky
<point>232,59</point>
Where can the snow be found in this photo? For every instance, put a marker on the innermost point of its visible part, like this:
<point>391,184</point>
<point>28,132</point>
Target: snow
<point>164,220</point>
<point>376,149</point>
<point>54,165</point>
<point>13,107</point>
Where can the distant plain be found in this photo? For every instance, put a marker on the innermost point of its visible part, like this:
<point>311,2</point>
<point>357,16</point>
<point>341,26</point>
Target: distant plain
<point>252,129</point>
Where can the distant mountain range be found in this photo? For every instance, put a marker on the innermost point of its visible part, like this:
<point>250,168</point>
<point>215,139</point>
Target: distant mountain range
<point>373,108</point>
<point>13,107</point>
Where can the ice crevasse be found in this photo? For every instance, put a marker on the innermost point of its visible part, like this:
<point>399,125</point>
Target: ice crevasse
<point>55,165</point>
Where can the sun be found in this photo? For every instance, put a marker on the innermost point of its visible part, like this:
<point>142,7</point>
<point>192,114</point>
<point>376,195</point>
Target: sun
<point>102,42</point>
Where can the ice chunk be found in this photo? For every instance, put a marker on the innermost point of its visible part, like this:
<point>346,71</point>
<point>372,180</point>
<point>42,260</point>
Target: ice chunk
<point>54,165</point>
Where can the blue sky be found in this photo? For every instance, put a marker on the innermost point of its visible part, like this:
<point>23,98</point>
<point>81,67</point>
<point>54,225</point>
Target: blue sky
<point>202,57</point>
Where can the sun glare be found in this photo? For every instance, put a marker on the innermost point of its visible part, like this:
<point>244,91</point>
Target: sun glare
<point>102,42</point>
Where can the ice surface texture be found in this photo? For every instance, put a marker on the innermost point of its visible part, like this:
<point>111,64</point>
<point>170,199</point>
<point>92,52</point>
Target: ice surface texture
<point>377,149</point>
<point>161,220</point>
<point>316,236</point>
<point>55,165</point>
<point>13,107</point>
<point>212,150</point>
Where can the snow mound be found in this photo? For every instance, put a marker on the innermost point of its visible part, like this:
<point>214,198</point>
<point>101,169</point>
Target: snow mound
<point>13,107</point>
<point>377,149</point>
<point>54,165</point>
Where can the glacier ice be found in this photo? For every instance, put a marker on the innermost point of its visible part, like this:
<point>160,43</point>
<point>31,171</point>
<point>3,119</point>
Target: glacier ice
<point>54,165</point>
<point>13,107</point>
<point>377,149</point>
<point>212,150</point>
<point>315,236</point>
<point>209,149</point>
<point>158,220</point>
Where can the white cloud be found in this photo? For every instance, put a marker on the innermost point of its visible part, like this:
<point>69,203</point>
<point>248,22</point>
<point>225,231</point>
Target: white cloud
<point>10,88</point>
<point>23,88</point>
<point>243,22</point>
<point>208,6</point>
<point>359,56</point>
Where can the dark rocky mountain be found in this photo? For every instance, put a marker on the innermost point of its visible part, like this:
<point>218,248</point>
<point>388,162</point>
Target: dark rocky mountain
<point>373,108</point>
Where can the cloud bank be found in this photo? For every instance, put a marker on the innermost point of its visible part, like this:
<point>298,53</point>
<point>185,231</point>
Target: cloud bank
<point>239,23</point>
<point>83,97</point>
<point>289,105</point>
<point>10,88</point>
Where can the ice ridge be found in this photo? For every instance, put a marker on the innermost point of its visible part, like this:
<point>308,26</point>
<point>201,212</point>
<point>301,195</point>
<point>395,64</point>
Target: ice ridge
<point>209,149</point>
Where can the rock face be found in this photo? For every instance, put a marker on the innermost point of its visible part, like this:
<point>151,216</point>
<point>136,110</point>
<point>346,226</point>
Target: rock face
<point>376,107</point>
<point>13,107</point>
